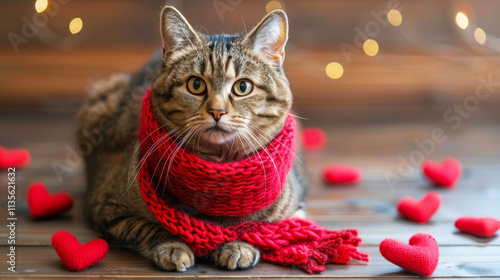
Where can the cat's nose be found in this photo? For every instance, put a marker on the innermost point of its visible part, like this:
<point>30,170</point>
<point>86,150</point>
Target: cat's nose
<point>217,113</point>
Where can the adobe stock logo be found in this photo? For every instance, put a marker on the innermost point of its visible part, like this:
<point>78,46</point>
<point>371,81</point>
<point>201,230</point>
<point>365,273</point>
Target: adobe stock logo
<point>31,27</point>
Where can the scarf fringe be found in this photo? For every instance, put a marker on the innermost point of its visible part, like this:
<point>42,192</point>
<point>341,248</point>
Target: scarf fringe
<point>303,243</point>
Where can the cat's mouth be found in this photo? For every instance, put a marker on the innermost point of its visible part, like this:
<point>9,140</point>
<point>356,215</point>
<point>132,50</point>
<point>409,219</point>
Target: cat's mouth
<point>217,128</point>
<point>218,134</point>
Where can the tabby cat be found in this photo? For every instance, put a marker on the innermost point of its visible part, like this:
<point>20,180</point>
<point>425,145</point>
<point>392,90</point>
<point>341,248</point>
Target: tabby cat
<point>235,82</point>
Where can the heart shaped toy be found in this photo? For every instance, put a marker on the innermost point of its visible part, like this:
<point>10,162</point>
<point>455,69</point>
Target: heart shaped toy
<point>444,174</point>
<point>76,256</point>
<point>420,211</point>
<point>313,139</point>
<point>479,226</point>
<point>43,205</point>
<point>14,158</point>
<point>342,174</point>
<point>421,256</point>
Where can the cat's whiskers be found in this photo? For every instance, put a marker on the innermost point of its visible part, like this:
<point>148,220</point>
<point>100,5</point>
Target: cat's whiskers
<point>172,134</point>
<point>262,131</point>
<point>244,24</point>
<point>198,142</point>
<point>185,139</point>
<point>277,151</point>
<point>256,129</point>
<point>271,143</point>
<point>160,160</point>
<point>256,149</point>
<point>226,153</point>
<point>280,198</point>
<point>137,149</point>
<point>195,129</point>
<point>151,149</point>
<point>242,145</point>
<point>298,117</point>
<point>262,134</point>
<point>182,129</point>
<point>164,153</point>
<point>157,145</point>
<point>264,148</point>
<point>141,163</point>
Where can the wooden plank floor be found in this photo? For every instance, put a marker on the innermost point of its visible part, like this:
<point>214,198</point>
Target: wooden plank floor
<point>368,206</point>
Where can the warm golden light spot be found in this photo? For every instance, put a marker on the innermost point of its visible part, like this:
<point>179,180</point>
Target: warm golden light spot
<point>75,25</point>
<point>370,47</point>
<point>462,20</point>
<point>395,17</point>
<point>480,36</point>
<point>41,5</point>
<point>273,5</point>
<point>334,70</point>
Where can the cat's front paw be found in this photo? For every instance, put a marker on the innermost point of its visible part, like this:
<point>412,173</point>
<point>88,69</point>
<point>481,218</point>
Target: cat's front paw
<point>173,256</point>
<point>236,255</point>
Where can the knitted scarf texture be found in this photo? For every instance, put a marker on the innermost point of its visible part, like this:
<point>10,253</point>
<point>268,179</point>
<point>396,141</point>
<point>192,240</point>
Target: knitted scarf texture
<point>171,176</point>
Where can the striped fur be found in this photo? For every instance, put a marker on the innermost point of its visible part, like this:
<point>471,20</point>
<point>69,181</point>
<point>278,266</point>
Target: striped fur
<point>109,121</point>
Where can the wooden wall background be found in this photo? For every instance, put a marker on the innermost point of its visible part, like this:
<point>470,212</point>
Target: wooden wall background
<point>423,67</point>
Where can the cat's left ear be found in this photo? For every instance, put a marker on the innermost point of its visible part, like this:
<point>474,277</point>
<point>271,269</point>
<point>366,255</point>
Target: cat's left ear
<point>270,36</point>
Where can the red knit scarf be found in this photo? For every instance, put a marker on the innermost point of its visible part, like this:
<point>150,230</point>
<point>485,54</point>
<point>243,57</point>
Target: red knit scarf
<point>233,189</point>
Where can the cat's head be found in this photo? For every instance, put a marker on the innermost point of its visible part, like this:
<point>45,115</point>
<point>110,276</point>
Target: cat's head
<point>222,96</point>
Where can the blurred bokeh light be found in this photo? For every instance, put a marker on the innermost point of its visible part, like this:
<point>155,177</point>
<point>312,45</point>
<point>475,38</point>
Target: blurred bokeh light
<point>480,36</point>
<point>41,5</point>
<point>395,17</point>
<point>334,70</point>
<point>273,5</point>
<point>75,25</point>
<point>370,47</point>
<point>462,20</point>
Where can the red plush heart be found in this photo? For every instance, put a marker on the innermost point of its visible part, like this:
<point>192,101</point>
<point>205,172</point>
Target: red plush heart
<point>422,210</point>
<point>313,139</point>
<point>44,205</point>
<point>445,174</point>
<point>14,158</point>
<point>480,226</point>
<point>76,256</point>
<point>341,174</point>
<point>421,256</point>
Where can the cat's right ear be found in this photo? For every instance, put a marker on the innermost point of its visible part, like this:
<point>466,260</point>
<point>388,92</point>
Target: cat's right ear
<point>176,32</point>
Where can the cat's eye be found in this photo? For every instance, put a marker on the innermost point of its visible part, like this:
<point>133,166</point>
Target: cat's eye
<point>196,85</point>
<point>243,87</point>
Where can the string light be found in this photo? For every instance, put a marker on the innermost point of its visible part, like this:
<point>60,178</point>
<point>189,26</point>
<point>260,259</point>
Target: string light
<point>370,47</point>
<point>75,25</point>
<point>394,17</point>
<point>334,70</point>
<point>273,5</point>
<point>462,20</point>
<point>41,5</point>
<point>480,36</point>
